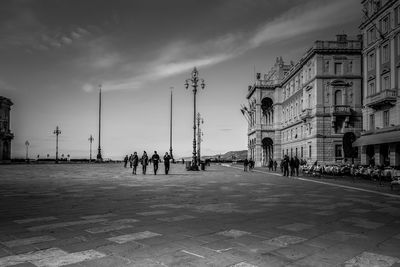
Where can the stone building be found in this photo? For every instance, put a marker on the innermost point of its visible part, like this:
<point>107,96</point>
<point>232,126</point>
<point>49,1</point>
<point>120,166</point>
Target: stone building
<point>380,138</point>
<point>304,109</point>
<point>5,134</point>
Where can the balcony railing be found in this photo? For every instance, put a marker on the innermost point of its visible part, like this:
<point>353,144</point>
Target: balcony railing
<point>341,110</point>
<point>305,114</point>
<point>382,98</point>
<point>267,127</point>
<point>349,44</point>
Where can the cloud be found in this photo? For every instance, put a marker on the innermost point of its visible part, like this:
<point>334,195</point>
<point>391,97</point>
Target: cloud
<point>181,56</point>
<point>305,19</point>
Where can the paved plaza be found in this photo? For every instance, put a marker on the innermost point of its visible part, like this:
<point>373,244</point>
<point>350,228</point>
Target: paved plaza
<point>102,215</point>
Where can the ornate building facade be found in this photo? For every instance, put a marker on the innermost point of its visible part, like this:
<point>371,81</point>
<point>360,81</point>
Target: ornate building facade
<point>380,138</point>
<point>305,109</point>
<point>5,134</point>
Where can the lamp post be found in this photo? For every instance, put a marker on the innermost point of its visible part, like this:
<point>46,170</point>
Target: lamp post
<point>194,80</point>
<point>99,156</point>
<point>27,150</point>
<point>170,129</point>
<point>90,154</point>
<point>57,131</point>
<point>199,134</point>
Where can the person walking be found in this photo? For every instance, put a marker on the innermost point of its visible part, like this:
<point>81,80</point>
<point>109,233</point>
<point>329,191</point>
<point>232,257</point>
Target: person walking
<point>125,161</point>
<point>134,162</point>
<point>144,161</point>
<point>245,164</point>
<point>286,166</point>
<point>270,164</point>
<point>296,165</point>
<point>291,165</point>
<point>130,161</point>
<point>167,158</point>
<point>251,164</point>
<point>155,159</point>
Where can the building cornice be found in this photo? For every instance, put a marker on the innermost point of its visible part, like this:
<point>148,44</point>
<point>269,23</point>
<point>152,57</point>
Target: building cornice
<point>313,51</point>
<point>375,15</point>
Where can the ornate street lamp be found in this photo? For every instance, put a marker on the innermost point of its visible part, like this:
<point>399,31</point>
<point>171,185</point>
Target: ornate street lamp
<point>194,80</point>
<point>57,131</point>
<point>90,154</point>
<point>99,156</point>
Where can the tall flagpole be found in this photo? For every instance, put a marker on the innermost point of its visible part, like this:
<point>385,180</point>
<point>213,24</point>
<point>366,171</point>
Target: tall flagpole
<point>99,157</point>
<point>170,128</point>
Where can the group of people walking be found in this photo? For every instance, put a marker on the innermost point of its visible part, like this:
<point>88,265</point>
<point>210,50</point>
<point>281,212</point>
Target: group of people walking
<point>248,164</point>
<point>292,163</point>
<point>288,165</point>
<point>134,161</point>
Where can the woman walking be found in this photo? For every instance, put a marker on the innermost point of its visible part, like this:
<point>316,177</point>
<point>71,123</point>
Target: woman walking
<point>144,161</point>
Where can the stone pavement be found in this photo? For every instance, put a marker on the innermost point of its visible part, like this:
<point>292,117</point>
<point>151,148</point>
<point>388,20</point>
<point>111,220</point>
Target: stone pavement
<point>101,215</point>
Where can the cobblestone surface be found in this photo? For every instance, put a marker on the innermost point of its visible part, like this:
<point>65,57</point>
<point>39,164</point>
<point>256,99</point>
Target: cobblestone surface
<point>102,215</point>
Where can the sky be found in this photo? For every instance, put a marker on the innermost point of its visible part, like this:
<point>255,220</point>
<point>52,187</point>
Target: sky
<point>55,53</point>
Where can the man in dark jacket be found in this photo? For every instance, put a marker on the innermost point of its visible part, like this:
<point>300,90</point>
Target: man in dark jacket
<point>296,165</point>
<point>155,159</point>
<point>167,158</point>
<point>135,162</point>
<point>144,161</point>
<point>286,166</point>
<point>291,165</point>
<point>245,164</point>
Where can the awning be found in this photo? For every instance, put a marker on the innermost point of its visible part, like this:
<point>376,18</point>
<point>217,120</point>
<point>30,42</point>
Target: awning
<point>380,138</point>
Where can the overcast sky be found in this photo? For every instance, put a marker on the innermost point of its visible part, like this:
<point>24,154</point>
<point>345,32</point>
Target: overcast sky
<point>55,53</point>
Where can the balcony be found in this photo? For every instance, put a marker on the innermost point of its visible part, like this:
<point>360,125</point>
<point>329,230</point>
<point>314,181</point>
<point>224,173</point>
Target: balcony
<point>305,114</point>
<point>382,99</point>
<point>340,110</point>
<point>267,127</point>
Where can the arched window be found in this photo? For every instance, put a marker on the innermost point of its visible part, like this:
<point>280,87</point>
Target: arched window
<point>338,97</point>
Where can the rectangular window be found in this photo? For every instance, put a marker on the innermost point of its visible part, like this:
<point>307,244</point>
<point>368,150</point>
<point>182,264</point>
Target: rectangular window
<point>371,35</point>
<point>309,129</point>
<point>398,44</point>
<point>386,118</point>
<point>338,68</point>
<point>371,88</point>
<point>372,122</point>
<point>371,61</point>
<point>301,152</point>
<point>398,15</point>
<point>385,53</point>
<point>338,151</point>
<point>326,66</point>
<point>350,66</point>
<point>296,152</point>
<point>385,82</point>
<point>398,78</point>
<point>309,151</point>
<point>385,24</point>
